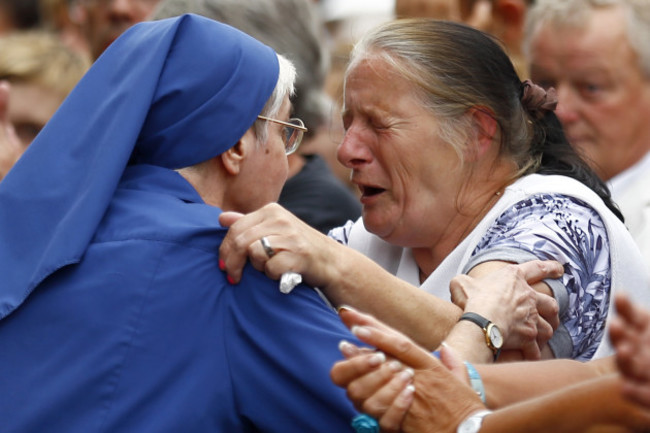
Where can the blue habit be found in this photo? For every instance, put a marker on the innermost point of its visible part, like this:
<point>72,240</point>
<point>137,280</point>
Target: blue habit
<point>146,335</point>
<point>114,316</point>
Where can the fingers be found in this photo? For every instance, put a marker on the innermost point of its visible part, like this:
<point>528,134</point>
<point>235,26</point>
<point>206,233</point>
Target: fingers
<point>226,219</point>
<point>544,330</point>
<point>379,388</point>
<point>549,310</point>
<point>639,393</point>
<point>538,270</point>
<point>343,373</point>
<point>454,363</point>
<point>244,232</point>
<point>352,317</point>
<point>633,316</point>
<point>393,343</point>
<point>531,351</point>
<point>390,403</point>
<point>392,419</point>
<point>457,290</point>
<point>630,335</point>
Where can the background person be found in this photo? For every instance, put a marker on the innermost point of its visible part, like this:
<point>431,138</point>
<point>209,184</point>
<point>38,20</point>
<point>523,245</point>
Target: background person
<point>103,21</point>
<point>39,71</point>
<point>462,168</point>
<point>595,54</point>
<point>504,19</point>
<point>17,15</point>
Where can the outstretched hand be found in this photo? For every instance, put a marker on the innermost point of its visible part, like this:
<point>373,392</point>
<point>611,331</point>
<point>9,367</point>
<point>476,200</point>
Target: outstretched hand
<point>403,386</point>
<point>630,335</point>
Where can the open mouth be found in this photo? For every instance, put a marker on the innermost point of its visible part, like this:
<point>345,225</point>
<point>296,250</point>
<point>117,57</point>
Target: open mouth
<point>370,191</point>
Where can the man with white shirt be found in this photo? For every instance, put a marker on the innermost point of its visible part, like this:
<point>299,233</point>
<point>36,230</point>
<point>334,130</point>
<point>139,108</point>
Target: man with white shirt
<point>596,53</point>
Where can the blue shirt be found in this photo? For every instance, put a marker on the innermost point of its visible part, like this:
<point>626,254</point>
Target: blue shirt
<point>146,335</point>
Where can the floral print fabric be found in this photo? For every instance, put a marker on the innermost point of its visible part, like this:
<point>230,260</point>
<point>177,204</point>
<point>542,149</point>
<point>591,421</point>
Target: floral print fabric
<point>563,228</point>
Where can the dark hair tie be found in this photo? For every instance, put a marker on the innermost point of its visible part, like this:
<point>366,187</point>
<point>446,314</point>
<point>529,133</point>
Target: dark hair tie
<point>537,101</point>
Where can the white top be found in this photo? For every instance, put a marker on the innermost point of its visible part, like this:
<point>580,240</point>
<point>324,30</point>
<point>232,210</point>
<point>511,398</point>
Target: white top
<point>628,271</point>
<point>631,191</point>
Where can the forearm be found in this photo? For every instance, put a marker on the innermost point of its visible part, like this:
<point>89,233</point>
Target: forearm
<point>357,281</point>
<point>510,383</point>
<point>582,407</point>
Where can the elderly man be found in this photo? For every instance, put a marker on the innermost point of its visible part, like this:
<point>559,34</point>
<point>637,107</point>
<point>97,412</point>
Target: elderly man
<point>596,54</point>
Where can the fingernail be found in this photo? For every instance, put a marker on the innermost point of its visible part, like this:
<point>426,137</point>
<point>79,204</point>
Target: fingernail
<point>407,374</point>
<point>230,279</point>
<point>360,331</point>
<point>395,365</point>
<point>406,396</point>
<point>346,348</point>
<point>344,308</point>
<point>377,359</point>
<point>222,265</point>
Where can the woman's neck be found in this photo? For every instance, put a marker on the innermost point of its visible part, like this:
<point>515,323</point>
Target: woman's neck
<point>476,199</point>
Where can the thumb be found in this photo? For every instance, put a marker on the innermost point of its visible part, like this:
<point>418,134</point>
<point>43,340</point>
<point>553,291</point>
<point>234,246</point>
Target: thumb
<point>452,361</point>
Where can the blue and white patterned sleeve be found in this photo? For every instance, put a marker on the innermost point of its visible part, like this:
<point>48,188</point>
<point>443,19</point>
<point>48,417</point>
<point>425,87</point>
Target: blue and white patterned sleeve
<point>562,228</point>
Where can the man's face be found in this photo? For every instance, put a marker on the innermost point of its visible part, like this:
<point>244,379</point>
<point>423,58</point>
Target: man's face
<point>105,20</point>
<point>604,98</point>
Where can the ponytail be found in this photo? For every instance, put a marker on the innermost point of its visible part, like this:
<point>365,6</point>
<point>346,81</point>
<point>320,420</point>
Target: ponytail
<point>550,147</point>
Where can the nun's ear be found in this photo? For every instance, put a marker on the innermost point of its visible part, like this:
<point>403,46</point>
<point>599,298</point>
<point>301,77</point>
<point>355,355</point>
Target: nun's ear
<point>233,158</point>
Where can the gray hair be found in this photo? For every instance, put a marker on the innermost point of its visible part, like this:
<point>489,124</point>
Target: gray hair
<point>453,68</point>
<point>285,87</point>
<point>574,14</point>
<point>291,27</point>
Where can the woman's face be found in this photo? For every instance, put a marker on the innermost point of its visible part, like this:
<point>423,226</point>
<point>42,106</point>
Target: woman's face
<point>408,177</point>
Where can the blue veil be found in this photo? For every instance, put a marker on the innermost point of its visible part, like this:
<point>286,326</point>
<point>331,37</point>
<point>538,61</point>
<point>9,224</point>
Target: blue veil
<point>170,93</point>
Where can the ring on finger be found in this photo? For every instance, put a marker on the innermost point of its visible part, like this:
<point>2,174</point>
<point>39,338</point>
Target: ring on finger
<point>270,252</point>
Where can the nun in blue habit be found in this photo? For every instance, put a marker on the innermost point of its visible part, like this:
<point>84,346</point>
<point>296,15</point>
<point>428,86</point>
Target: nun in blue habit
<point>114,315</point>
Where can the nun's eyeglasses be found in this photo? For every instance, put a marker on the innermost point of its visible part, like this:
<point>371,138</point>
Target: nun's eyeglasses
<point>294,130</point>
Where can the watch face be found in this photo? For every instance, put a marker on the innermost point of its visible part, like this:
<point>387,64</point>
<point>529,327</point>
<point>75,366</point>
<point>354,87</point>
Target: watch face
<point>495,337</point>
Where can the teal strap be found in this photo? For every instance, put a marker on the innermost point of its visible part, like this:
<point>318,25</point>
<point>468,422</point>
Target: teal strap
<point>475,380</point>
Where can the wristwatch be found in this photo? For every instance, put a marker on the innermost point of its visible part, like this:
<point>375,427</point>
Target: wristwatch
<point>472,424</point>
<point>493,336</point>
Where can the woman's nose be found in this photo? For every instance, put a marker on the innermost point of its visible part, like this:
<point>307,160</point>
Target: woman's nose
<point>354,149</point>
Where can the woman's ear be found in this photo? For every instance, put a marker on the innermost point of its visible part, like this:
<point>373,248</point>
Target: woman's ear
<point>485,130</point>
<point>233,158</point>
